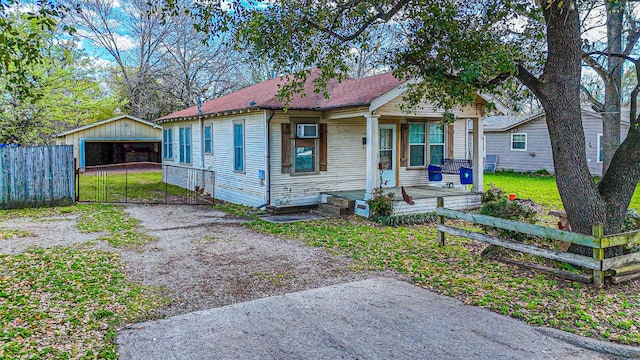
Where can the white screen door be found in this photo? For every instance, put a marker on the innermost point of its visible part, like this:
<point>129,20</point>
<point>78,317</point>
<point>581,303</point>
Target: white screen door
<point>387,154</point>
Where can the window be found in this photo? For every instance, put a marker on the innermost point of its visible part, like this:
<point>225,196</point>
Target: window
<point>519,142</point>
<point>167,144</point>
<point>305,146</point>
<point>238,146</point>
<point>417,145</point>
<point>185,145</point>
<point>436,143</point>
<point>305,159</point>
<point>600,148</point>
<point>207,140</point>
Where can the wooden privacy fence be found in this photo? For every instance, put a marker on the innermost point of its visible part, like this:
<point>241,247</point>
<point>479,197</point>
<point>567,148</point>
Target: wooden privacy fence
<point>32,176</point>
<point>620,268</point>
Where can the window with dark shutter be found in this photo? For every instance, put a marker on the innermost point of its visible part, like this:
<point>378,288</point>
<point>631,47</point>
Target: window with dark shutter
<point>286,147</point>
<point>404,144</point>
<point>323,147</point>
<point>450,141</point>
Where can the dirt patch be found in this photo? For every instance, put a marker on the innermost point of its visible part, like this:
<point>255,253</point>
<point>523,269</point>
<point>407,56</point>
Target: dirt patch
<point>203,258</point>
<point>44,232</point>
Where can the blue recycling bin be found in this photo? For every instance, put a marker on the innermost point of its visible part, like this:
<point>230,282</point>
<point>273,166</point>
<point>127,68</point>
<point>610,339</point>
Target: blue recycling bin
<point>466,176</point>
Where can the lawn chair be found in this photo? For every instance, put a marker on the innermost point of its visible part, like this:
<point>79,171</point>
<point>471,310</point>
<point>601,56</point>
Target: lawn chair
<point>490,162</point>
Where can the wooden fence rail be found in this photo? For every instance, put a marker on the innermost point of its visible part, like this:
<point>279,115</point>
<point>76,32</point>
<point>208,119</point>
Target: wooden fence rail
<point>32,176</point>
<point>621,265</point>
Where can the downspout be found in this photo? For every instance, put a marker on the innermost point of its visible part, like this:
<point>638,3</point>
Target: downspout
<point>267,170</point>
<point>201,124</point>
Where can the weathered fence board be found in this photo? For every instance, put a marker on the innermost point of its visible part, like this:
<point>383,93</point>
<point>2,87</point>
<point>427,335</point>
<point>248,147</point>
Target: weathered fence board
<point>628,238</point>
<point>530,229</point>
<point>620,261</point>
<point>587,262</point>
<point>33,176</point>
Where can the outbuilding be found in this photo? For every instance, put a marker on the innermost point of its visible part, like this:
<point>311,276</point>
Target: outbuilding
<point>121,139</point>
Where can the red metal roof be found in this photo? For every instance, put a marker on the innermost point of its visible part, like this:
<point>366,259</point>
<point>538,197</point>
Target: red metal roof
<point>264,95</point>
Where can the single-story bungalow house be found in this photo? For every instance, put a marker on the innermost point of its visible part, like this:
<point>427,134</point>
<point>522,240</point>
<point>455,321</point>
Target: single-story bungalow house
<point>318,149</point>
<point>523,144</point>
<point>121,139</point>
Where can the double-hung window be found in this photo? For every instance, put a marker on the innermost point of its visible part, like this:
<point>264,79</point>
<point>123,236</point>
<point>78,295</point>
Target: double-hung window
<point>417,144</point>
<point>600,149</point>
<point>519,142</point>
<point>185,144</point>
<point>305,146</point>
<point>208,149</point>
<point>167,144</point>
<point>436,143</point>
<point>304,154</point>
<point>238,146</point>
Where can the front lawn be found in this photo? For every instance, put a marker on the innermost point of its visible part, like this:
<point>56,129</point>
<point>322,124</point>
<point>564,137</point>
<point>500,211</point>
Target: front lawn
<point>66,302</point>
<point>541,189</point>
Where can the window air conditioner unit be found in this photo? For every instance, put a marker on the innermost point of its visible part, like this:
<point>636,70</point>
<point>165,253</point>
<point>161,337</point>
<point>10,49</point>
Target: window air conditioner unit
<point>307,131</point>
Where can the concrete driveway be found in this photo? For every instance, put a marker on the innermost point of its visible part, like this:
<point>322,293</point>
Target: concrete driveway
<point>372,319</point>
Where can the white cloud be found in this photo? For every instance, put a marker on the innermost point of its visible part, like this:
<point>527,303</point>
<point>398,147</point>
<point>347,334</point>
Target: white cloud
<point>124,42</point>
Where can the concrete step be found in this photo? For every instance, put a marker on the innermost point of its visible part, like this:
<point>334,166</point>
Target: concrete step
<point>332,200</point>
<point>332,209</point>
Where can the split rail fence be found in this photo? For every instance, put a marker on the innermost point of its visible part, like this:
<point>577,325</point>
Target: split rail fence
<point>619,269</point>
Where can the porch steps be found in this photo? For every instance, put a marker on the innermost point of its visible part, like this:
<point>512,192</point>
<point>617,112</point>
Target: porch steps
<point>336,206</point>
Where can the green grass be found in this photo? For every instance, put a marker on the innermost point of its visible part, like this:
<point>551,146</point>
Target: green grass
<point>38,213</point>
<point>458,271</point>
<point>65,303</point>
<point>6,234</point>
<point>135,186</point>
<point>120,228</point>
<point>541,189</point>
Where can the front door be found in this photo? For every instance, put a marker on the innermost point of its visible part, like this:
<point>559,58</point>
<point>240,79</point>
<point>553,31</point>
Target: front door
<point>387,154</point>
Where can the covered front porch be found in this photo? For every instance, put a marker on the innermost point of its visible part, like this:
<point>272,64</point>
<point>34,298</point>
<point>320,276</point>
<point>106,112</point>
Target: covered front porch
<point>424,197</point>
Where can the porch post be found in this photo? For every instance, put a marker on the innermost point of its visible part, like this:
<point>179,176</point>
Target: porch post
<point>372,154</point>
<point>478,155</point>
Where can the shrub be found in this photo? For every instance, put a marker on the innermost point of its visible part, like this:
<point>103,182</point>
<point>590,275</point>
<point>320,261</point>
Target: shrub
<point>519,210</point>
<point>493,194</point>
<point>381,205</point>
<point>631,221</point>
<point>402,220</point>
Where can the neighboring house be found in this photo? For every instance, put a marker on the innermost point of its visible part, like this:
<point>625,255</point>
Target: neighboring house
<point>523,143</point>
<point>121,139</point>
<point>263,155</point>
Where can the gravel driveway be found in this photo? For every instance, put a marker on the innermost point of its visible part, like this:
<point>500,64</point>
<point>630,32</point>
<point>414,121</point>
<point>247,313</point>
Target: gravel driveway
<point>203,258</point>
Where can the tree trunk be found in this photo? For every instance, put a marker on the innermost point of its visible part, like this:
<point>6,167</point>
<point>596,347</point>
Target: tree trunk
<point>558,90</point>
<point>611,115</point>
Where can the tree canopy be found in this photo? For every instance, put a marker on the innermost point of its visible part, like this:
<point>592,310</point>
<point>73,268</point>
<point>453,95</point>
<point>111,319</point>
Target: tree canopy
<point>454,49</point>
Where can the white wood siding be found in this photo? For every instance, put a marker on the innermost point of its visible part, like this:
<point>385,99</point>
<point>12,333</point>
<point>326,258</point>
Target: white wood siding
<point>345,163</point>
<point>241,188</point>
<point>425,205</point>
<point>426,110</point>
<point>246,187</point>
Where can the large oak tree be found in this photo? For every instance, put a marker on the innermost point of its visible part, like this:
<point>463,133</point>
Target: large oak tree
<point>455,48</point>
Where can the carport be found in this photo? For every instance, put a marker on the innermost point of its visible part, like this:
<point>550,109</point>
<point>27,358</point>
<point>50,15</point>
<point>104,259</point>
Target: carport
<point>118,140</point>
